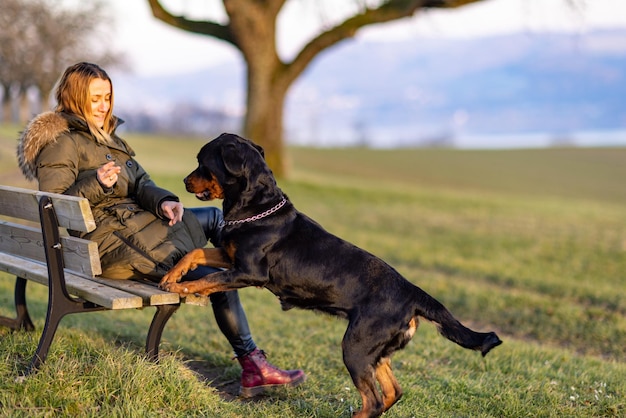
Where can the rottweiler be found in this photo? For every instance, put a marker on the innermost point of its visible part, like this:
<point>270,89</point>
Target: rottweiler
<point>266,242</point>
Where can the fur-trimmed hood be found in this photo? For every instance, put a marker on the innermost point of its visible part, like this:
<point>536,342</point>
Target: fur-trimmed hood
<point>45,129</point>
<point>40,131</point>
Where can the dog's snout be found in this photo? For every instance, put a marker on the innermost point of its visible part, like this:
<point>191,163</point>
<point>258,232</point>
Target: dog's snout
<point>188,184</point>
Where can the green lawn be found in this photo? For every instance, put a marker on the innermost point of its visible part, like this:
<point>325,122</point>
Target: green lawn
<point>530,243</point>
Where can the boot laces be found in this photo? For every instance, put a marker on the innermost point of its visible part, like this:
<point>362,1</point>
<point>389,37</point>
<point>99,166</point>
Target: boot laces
<point>262,352</point>
<point>263,358</point>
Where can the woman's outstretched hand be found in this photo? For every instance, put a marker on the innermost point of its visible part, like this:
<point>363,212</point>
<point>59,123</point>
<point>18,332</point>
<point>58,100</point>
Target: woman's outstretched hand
<point>172,211</point>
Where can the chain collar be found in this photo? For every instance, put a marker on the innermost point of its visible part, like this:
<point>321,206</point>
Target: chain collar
<point>256,217</point>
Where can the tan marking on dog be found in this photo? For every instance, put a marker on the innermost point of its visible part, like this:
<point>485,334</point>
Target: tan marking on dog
<point>389,386</point>
<point>196,184</point>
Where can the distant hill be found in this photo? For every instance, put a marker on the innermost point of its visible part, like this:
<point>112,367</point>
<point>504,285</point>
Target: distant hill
<point>419,92</point>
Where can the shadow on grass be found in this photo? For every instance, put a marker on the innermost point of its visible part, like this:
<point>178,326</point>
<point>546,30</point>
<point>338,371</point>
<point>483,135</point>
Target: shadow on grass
<point>226,385</point>
<point>216,377</point>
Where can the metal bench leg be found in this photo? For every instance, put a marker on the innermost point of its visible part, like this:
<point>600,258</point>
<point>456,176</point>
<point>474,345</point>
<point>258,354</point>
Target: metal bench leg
<point>58,307</point>
<point>161,316</point>
<point>60,303</point>
<point>22,320</point>
<point>52,322</point>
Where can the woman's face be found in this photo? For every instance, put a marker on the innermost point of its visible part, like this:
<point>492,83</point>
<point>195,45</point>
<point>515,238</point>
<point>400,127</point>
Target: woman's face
<point>100,98</point>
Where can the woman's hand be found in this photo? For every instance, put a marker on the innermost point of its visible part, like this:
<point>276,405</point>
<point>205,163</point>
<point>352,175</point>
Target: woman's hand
<point>172,211</point>
<point>107,174</point>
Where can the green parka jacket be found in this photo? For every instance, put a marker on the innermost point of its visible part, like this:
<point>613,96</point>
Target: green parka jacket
<point>134,239</point>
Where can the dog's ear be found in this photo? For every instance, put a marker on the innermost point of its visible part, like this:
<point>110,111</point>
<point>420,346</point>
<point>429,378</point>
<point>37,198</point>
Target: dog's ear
<point>233,159</point>
<point>253,145</point>
<point>238,153</point>
<point>259,148</point>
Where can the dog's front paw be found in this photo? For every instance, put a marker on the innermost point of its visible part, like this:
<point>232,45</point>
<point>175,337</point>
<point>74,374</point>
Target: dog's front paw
<point>179,288</point>
<point>173,276</point>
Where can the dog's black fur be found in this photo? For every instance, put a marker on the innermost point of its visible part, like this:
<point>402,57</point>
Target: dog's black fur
<point>275,246</point>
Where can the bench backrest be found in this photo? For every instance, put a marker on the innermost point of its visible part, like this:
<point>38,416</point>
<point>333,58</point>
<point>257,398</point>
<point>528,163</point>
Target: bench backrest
<point>20,239</point>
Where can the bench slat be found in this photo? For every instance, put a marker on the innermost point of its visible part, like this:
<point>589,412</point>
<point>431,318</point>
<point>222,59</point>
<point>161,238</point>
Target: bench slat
<point>79,255</point>
<point>150,294</point>
<point>72,212</point>
<point>195,300</point>
<point>78,286</point>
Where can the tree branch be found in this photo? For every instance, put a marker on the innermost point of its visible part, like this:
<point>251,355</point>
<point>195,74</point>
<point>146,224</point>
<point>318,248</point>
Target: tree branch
<point>447,4</point>
<point>209,28</point>
<point>386,12</point>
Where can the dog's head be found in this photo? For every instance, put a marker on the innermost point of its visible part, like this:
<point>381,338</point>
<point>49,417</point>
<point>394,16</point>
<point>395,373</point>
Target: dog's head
<point>229,166</point>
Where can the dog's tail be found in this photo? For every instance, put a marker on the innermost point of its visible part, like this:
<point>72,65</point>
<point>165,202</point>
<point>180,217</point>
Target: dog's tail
<point>448,326</point>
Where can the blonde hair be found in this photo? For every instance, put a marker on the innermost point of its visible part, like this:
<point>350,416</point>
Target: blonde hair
<point>72,96</point>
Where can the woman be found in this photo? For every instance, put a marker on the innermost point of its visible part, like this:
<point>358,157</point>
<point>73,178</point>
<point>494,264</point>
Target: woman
<point>142,230</point>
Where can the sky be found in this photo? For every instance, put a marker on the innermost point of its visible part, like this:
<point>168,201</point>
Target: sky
<point>154,48</point>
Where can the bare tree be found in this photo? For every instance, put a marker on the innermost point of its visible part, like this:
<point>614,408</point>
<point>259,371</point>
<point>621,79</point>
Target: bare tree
<point>251,28</point>
<point>13,21</point>
<point>38,40</point>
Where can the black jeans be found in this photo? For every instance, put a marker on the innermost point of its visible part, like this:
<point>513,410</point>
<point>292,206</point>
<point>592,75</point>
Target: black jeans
<point>229,314</point>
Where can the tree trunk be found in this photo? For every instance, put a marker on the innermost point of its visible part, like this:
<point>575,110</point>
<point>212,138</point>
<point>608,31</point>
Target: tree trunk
<point>264,118</point>
<point>6,104</point>
<point>13,103</point>
<point>44,99</point>
<point>44,91</point>
<point>255,26</point>
<point>25,112</point>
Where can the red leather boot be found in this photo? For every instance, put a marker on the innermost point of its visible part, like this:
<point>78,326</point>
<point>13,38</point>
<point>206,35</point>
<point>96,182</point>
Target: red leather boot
<point>258,374</point>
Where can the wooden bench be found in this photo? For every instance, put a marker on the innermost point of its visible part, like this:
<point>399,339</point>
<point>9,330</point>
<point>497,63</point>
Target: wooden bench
<point>34,246</point>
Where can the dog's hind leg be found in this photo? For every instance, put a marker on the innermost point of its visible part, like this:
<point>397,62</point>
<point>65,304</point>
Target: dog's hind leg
<point>360,362</point>
<point>371,402</point>
<point>392,392</point>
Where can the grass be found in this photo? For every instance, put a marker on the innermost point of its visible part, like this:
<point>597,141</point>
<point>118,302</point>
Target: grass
<point>530,243</point>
